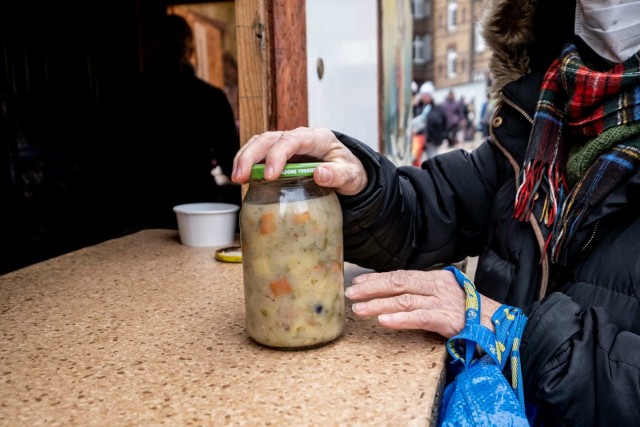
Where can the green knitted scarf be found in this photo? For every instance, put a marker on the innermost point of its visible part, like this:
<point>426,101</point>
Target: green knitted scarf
<point>583,156</point>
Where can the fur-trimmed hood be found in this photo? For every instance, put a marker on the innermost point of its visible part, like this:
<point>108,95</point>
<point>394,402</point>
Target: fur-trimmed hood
<point>524,35</point>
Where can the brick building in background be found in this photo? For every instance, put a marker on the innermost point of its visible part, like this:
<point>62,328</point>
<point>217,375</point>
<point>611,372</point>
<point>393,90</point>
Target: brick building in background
<point>448,47</point>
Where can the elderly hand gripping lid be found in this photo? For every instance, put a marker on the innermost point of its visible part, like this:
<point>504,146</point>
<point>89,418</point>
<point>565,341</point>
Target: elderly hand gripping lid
<point>342,170</point>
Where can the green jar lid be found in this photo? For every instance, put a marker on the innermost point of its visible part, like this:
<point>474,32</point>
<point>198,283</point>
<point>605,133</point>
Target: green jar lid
<point>291,170</point>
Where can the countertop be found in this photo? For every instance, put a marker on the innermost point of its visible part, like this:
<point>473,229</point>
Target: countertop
<point>142,330</point>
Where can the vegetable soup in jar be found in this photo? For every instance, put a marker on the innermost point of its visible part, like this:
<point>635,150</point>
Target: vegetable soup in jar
<point>291,231</point>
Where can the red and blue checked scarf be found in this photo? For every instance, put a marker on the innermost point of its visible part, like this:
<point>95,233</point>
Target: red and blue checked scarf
<point>577,105</point>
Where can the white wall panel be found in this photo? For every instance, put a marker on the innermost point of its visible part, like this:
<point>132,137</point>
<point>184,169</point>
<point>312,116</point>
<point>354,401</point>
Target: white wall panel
<point>344,33</point>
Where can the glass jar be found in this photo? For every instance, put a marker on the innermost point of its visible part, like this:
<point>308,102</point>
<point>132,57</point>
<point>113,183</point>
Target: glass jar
<point>292,257</point>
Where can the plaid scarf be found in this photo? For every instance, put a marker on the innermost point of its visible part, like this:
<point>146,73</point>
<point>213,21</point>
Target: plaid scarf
<point>576,105</point>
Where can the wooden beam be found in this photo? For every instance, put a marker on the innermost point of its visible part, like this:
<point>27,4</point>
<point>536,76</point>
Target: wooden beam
<point>255,59</point>
<point>290,41</point>
<point>272,65</point>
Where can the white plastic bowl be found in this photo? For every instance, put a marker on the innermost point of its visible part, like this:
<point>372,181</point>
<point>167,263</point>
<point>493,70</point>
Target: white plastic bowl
<point>206,224</point>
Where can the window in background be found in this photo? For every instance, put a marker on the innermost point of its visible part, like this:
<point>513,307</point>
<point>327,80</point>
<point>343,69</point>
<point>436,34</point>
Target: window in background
<point>452,63</point>
<point>480,44</point>
<point>422,50</point>
<point>421,9</point>
<point>452,15</point>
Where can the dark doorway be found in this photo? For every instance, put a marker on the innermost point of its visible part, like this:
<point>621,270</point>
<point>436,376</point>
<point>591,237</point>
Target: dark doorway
<point>65,70</point>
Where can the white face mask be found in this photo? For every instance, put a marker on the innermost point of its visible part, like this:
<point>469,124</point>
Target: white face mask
<point>610,27</point>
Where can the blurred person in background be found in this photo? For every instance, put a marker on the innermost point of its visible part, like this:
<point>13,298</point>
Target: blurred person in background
<point>184,137</point>
<point>455,115</point>
<point>486,112</point>
<point>430,122</point>
<point>471,120</point>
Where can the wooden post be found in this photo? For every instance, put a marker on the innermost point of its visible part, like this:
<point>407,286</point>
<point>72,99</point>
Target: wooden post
<point>272,61</point>
<point>255,58</point>
<point>290,41</point>
<point>272,65</point>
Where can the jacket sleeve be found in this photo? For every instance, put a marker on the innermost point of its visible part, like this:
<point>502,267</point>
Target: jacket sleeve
<point>411,218</point>
<point>581,366</point>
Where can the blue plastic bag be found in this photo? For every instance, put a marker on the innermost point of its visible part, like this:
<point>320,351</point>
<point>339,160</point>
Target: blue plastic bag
<point>480,394</point>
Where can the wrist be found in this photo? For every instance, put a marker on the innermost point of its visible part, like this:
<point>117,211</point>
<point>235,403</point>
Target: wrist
<point>488,307</point>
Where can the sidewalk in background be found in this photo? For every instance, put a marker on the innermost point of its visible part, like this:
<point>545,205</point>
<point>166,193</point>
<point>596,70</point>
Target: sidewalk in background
<point>465,145</point>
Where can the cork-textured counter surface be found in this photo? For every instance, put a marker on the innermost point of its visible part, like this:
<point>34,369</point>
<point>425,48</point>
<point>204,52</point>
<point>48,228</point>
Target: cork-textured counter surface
<point>142,330</point>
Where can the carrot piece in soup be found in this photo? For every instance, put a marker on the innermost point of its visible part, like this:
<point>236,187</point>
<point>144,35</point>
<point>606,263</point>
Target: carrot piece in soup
<point>280,287</point>
<point>267,223</point>
<point>336,267</point>
<point>320,268</point>
<point>301,218</point>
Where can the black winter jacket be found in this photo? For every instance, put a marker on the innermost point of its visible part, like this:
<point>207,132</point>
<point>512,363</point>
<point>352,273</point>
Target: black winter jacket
<point>581,346</point>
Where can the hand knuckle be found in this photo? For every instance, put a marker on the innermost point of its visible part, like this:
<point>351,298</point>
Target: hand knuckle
<point>405,302</point>
<point>439,283</point>
<point>399,281</point>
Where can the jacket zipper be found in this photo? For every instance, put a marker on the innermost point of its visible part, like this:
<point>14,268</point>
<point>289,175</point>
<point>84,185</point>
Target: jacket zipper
<point>544,280</point>
<point>593,235</point>
<point>516,107</point>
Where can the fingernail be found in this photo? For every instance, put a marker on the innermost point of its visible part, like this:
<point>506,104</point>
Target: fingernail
<point>384,318</point>
<point>348,292</point>
<point>324,175</point>
<point>268,172</point>
<point>237,173</point>
<point>356,307</point>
